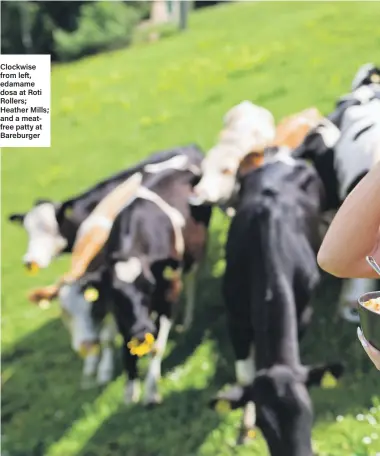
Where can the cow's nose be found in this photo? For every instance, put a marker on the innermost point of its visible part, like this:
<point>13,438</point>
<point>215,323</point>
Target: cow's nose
<point>31,266</point>
<point>87,348</point>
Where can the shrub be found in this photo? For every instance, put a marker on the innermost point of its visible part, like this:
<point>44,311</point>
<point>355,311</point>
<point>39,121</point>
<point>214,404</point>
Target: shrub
<point>101,26</point>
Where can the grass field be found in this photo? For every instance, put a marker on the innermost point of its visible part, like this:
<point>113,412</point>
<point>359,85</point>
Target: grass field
<point>111,110</point>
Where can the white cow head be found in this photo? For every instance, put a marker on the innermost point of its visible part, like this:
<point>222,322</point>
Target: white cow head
<point>44,238</point>
<point>247,128</point>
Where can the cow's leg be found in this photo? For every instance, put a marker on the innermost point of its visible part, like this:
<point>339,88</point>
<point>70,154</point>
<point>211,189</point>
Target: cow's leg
<point>154,372</point>
<point>164,302</point>
<point>190,292</point>
<point>284,411</point>
<point>90,365</point>
<point>245,375</point>
<point>107,342</point>
<point>236,287</point>
<point>352,290</point>
<point>132,389</point>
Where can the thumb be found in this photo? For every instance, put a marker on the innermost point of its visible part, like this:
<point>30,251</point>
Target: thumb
<point>371,351</point>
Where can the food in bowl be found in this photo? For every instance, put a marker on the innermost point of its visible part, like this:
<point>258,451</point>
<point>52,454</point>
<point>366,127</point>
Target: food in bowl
<point>373,304</point>
<point>369,312</point>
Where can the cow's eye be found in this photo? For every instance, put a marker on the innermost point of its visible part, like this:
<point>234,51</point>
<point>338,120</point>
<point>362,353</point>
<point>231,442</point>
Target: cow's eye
<point>227,172</point>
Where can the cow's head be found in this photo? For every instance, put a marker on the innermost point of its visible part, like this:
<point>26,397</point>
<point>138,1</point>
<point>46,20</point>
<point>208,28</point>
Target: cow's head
<point>367,74</point>
<point>247,128</point>
<point>45,240</point>
<point>82,316</point>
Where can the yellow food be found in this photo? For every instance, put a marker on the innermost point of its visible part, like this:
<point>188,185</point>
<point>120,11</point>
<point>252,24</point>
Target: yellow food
<point>373,304</point>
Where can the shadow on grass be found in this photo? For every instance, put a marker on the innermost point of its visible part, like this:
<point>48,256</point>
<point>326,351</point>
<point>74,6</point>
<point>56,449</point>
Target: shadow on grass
<point>41,398</point>
<point>178,426</point>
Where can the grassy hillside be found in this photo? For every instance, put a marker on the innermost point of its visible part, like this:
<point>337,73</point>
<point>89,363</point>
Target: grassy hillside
<point>108,112</point>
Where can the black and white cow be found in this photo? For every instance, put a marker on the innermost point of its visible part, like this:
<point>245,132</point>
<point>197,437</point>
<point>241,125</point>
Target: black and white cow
<point>343,148</point>
<point>271,272</point>
<point>156,239</point>
<point>52,228</point>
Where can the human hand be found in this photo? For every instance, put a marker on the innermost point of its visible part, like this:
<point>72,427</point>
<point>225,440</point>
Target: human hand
<point>371,351</point>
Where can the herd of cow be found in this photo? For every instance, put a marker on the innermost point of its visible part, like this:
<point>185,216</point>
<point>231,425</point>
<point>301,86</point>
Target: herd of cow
<point>138,235</point>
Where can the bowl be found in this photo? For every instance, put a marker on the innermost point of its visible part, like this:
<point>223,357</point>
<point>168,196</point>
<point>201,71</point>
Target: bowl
<point>369,319</point>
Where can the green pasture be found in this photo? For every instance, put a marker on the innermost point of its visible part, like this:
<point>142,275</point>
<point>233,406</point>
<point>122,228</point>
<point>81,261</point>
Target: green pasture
<point>108,112</point>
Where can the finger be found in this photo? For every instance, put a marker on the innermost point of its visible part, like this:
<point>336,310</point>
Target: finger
<point>372,353</point>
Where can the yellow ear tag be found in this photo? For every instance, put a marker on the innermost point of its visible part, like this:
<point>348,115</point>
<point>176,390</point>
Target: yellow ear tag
<point>375,78</point>
<point>168,273</point>
<point>133,343</point>
<point>33,270</point>
<point>94,350</point>
<point>329,381</point>
<point>149,338</point>
<point>143,348</point>
<point>222,406</point>
<point>82,352</point>
<point>251,434</point>
<point>91,294</point>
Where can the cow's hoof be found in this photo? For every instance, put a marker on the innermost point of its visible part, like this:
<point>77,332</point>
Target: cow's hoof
<point>153,400</point>
<point>246,437</point>
<point>132,392</point>
<point>228,400</point>
<point>104,377</point>
<point>88,382</point>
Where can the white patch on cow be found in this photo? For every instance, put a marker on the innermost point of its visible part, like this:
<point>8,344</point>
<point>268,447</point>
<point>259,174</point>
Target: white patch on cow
<point>329,132</point>
<point>107,339</point>
<point>179,162</point>
<point>354,157</point>
<point>154,371</point>
<point>245,369</point>
<point>249,125</point>
<point>128,271</point>
<point>45,240</point>
<point>132,391</point>
<point>177,219</point>
<point>283,155</point>
<point>249,416</point>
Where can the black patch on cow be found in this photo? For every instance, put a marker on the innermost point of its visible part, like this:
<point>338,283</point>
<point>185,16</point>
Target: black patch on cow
<point>363,130</point>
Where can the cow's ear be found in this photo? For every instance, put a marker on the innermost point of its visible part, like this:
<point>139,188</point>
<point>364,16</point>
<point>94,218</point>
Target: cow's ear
<point>310,148</point>
<point>16,218</point>
<point>63,211</point>
<point>250,162</point>
<point>39,201</point>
